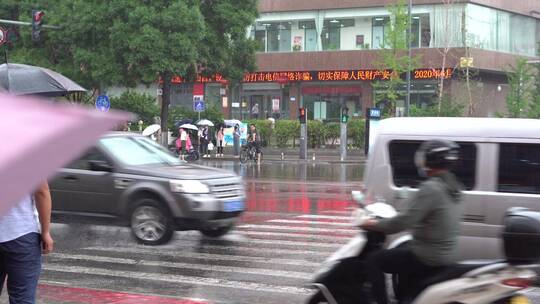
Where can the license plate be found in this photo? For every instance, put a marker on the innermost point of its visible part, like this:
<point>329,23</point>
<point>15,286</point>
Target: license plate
<point>233,206</point>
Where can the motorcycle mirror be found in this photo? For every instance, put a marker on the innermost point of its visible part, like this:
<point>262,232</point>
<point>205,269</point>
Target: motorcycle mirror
<point>358,196</point>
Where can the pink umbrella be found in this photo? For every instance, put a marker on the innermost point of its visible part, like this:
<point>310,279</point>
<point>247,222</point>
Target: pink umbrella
<point>38,137</point>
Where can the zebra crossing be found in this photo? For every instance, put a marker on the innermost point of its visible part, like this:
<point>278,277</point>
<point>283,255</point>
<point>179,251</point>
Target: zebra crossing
<point>270,261</point>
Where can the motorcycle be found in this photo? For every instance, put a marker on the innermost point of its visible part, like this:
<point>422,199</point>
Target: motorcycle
<point>342,280</point>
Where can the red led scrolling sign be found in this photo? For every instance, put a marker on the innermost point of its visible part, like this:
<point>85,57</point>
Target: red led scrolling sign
<point>339,75</point>
<point>323,76</point>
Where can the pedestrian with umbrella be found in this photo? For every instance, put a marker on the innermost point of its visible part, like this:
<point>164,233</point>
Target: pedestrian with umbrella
<point>204,136</point>
<point>188,152</point>
<point>181,143</point>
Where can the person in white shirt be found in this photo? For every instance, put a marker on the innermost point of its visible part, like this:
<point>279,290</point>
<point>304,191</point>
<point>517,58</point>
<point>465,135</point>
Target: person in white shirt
<point>24,237</point>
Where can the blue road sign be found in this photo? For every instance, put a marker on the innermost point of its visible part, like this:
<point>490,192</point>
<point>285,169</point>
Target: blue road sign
<point>198,106</point>
<point>103,103</point>
<point>374,113</point>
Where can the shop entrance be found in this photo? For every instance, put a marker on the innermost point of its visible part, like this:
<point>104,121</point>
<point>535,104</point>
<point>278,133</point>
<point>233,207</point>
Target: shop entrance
<point>324,102</point>
<point>262,101</point>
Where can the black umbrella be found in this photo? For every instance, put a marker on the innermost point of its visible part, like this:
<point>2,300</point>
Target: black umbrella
<point>22,79</point>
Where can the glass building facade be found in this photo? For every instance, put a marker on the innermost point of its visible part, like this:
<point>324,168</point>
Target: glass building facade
<point>432,26</point>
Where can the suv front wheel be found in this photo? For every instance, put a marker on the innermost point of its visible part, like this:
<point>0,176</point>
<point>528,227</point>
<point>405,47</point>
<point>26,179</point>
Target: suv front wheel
<point>150,223</point>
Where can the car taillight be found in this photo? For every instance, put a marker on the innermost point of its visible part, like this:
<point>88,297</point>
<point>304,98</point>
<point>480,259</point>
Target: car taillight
<point>517,282</point>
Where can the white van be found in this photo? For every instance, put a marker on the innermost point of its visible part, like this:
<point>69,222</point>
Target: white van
<point>500,168</point>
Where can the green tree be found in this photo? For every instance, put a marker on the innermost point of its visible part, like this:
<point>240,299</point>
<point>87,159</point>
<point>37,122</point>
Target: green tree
<point>356,131</point>
<point>127,42</point>
<point>143,105</point>
<point>394,57</point>
<point>520,99</point>
<point>333,130</point>
<point>284,131</point>
<point>534,111</point>
<point>446,108</point>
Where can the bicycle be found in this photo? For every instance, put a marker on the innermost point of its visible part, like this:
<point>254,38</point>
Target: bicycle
<point>249,152</point>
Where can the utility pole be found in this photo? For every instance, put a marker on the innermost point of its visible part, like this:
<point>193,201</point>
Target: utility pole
<point>409,41</point>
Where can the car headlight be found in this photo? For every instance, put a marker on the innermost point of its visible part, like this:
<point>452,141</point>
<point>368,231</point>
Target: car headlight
<point>189,186</point>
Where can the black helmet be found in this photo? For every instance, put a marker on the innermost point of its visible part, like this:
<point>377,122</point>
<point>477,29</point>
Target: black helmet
<point>437,154</point>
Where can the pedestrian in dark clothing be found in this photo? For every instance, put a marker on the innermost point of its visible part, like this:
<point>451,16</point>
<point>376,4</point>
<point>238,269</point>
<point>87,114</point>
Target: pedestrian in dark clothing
<point>205,140</point>
<point>236,140</point>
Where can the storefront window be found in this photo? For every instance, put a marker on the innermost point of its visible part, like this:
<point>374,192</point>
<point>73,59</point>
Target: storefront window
<point>310,35</point>
<point>272,36</point>
<point>331,34</point>
<point>258,33</point>
<point>279,37</point>
<point>379,25</point>
<point>415,31</point>
<point>523,35</point>
<point>490,29</point>
<point>324,102</point>
<point>538,38</point>
<point>182,95</point>
<point>447,26</point>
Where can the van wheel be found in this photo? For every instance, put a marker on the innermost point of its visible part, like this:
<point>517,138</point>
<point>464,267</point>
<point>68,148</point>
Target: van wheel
<point>150,223</point>
<point>217,232</point>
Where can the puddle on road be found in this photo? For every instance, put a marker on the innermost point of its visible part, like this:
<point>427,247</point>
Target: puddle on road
<point>287,170</point>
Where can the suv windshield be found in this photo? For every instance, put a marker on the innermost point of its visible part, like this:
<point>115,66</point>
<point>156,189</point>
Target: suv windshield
<point>138,151</point>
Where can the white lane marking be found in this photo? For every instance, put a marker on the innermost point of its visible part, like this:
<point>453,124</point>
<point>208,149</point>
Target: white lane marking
<point>317,239</point>
<point>336,212</point>
<point>49,282</point>
<point>315,223</point>
<point>229,238</point>
<point>325,217</point>
<point>159,277</point>
<point>296,228</point>
<point>242,270</point>
<point>205,256</point>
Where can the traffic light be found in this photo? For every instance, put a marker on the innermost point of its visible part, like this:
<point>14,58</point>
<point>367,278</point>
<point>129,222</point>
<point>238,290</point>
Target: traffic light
<point>302,115</point>
<point>37,21</point>
<point>344,115</point>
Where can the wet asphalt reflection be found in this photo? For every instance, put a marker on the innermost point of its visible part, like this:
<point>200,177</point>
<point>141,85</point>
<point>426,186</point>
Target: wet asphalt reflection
<point>293,170</point>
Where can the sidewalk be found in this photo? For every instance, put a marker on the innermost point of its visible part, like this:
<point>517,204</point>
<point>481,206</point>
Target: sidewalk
<point>289,154</point>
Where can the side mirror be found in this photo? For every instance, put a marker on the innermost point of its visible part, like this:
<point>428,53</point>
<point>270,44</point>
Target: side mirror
<point>99,165</point>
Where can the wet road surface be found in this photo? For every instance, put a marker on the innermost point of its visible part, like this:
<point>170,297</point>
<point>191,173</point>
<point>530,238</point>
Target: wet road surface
<point>289,228</point>
<point>294,170</point>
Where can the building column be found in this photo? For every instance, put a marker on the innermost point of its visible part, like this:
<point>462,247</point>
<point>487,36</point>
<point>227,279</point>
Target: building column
<point>367,96</point>
<point>296,92</point>
<point>226,107</point>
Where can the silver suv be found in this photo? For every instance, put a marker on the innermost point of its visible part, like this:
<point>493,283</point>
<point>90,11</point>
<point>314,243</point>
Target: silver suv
<point>129,179</point>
